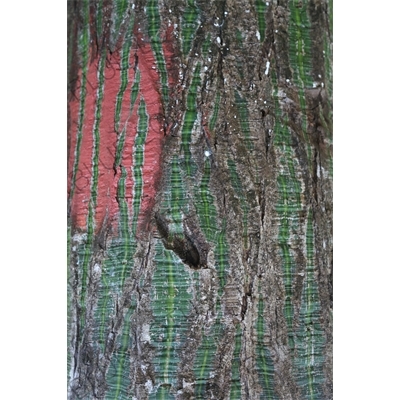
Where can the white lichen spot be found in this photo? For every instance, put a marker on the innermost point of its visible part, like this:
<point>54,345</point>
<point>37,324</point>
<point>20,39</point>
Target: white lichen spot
<point>322,84</point>
<point>267,67</point>
<point>96,269</point>
<point>149,385</point>
<point>205,68</point>
<point>247,11</point>
<point>79,237</point>
<point>145,336</point>
<point>267,3</point>
<point>319,76</point>
<point>207,153</point>
<point>186,384</point>
<point>287,80</point>
<point>314,84</point>
<point>218,40</point>
<point>258,35</point>
<point>133,6</point>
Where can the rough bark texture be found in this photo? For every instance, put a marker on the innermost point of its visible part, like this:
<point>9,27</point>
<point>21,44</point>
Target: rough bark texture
<point>200,199</point>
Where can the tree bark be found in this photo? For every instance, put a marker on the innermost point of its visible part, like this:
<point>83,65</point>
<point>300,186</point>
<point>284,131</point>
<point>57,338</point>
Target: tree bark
<point>200,199</point>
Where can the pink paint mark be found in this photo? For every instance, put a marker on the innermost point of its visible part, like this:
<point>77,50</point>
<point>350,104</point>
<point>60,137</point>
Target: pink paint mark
<point>73,120</point>
<point>79,202</point>
<point>127,158</point>
<point>129,121</point>
<point>151,92</point>
<point>107,204</point>
<point>107,209</point>
<point>126,97</point>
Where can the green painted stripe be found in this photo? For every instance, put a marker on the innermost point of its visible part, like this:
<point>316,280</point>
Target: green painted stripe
<point>122,136</point>
<point>207,213</point>
<point>260,9</point>
<point>122,248</point>
<point>204,204</point>
<point>120,8</point>
<point>222,257</point>
<point>93,188</point>
<point>241,105</point>
<point>177,195</point>
<point>118,379</point>
<point>205,47</point>
<point>83,45</point>
<point>171,306</point>
<point>235,393</point>
<point>154,31</point>
<point>287,259</point>
<point>96,131</point>
<point>99,19</point>
<point>70,304</point>
<point>310,304</point>
<point>265,364</point>
<point>135,88</point>
<point>329,89</point>
<point>204,363</point>
<point>140,140</point>
<point>289,205</point>
<point>189,120</point>
<point>105,305</point>
<point>124,67</point>
<point>189,25</point>
<point>170,317</point>
<point>85,266</point>
<point>128,242</point>
<point>300,58</point>
<point>310,339</point>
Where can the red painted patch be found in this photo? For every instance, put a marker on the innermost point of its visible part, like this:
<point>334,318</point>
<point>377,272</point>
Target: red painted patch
<point>106,204</point>
<point>130,121</point>
<point>150,91</point>
<point>107,184</point>
<point>127,158</point>
<point>73,118</point>
<point>79,202</point>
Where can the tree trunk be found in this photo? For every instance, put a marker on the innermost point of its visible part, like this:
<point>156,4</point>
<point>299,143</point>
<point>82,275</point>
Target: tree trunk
<point>200,199</point>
